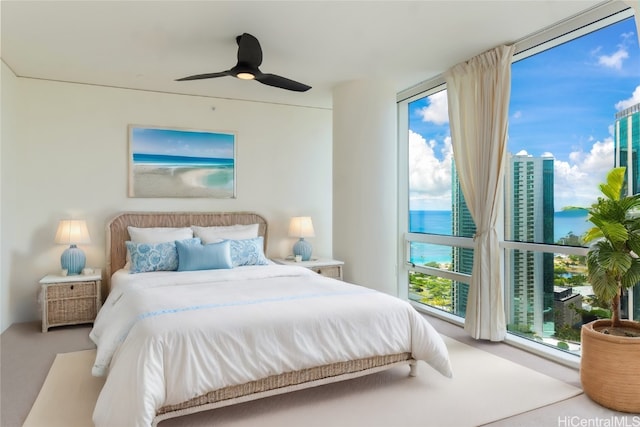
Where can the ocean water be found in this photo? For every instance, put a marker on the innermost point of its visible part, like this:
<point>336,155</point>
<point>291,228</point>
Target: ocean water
<point>439,222</point>
<point>167,160</point>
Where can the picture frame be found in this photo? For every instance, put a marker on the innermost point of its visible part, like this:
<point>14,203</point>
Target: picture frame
<point>175,162</point>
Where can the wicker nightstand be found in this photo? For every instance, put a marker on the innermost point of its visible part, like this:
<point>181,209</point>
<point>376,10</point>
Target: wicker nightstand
<point>69,300</point>
<point>324,267</point>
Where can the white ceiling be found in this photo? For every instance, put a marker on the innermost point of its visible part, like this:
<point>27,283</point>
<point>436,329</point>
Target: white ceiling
<point>148,44</point>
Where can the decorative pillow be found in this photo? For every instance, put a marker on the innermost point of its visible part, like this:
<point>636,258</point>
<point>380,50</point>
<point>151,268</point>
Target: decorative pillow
<point>159,234</point>
<point>147,257</point>
<point>156,235</point>
<point>228,232</point>
<point>204,257</point>
<point>248,252</point>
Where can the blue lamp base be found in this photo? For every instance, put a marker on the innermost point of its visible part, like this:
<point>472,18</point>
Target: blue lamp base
<point>73,260</point>
<point>302,248</point>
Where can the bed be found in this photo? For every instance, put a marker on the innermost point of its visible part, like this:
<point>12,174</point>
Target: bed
<point>172,343</point>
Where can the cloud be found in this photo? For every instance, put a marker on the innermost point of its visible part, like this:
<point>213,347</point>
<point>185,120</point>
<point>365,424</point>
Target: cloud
<point>576,180</point>
<point>437,111</point>
<point>626,103</point>
<point>429,177</point>
<point>615,60</point>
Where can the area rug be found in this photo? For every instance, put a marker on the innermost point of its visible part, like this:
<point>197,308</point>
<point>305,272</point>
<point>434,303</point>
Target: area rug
<point>485,388</point>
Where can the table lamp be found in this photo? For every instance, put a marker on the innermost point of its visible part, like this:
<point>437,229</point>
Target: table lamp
<point>301,226</point>
<point>72,232</point>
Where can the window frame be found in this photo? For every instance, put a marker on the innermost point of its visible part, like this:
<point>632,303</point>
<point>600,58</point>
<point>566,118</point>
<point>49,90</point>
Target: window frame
<point>589,21</point>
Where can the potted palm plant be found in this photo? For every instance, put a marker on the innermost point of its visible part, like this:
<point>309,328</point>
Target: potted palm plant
<point>610,362</point>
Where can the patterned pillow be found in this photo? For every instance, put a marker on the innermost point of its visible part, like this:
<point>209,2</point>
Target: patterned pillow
<point>156,235</point>
<point>212,256</point>
<point>147,257</point>
<point>248,252</point>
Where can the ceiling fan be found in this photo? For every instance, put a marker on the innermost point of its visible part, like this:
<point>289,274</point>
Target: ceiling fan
<point>249,59</point>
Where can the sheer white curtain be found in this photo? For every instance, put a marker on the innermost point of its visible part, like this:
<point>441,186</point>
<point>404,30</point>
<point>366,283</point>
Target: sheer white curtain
<point>478,93</point>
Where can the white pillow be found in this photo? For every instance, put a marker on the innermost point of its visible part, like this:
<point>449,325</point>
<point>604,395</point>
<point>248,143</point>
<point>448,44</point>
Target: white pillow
<point>159,234</point>
<point>216,234</point>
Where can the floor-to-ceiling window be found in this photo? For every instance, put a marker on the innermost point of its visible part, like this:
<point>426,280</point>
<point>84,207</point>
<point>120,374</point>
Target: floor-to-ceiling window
<point>575,100</point>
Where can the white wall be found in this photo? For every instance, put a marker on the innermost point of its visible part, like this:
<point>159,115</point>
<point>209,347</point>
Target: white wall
<point>365,183</point>
<point>8,97</point>
<point>67,156</point>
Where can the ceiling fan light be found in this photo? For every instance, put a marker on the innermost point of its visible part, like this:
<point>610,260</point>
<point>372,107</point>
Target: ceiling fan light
<point>245,76</point>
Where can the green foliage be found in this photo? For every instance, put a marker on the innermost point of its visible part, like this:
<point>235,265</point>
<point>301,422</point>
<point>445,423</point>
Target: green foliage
<point>559,269</point>
<point>577,279</point>
<point>594,311</point>
<point>568,333</point>
<point>432,290</point>
<point>612,261</point>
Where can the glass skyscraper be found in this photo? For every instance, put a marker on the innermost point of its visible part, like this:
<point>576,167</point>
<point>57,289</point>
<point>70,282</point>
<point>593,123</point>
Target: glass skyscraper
<point>462,259</point>
<point>529,213</point>
<point>627,146</point>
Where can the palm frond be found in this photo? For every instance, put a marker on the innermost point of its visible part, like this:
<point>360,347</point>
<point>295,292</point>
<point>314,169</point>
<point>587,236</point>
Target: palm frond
<point>613,261</point>
<point>632,276</point>
<point>612,189</point>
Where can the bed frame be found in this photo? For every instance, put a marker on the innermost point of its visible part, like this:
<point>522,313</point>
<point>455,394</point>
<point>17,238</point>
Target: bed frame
<point>117,234</point>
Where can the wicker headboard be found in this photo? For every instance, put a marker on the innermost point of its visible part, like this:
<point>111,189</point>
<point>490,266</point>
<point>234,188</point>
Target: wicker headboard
<point>117,232</point>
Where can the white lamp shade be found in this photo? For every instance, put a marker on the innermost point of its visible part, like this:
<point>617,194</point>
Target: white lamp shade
<point>301,226</point>
<point>72,232</point>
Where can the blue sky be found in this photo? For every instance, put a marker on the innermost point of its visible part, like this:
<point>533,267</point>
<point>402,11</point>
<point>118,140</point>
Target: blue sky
<point>563,103</point>
<point>183,143</point>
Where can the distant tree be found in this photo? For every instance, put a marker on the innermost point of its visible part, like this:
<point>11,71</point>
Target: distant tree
<point>560,269</point>
<point>435,291</point>
<point>577,279</point>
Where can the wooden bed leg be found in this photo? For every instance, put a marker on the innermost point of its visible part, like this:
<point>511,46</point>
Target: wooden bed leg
<point>413,368</point>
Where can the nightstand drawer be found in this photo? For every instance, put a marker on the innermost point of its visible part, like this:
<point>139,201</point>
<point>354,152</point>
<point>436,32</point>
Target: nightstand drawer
<point>63,312</point>
<point>72,290</point>
<point>334,271</point>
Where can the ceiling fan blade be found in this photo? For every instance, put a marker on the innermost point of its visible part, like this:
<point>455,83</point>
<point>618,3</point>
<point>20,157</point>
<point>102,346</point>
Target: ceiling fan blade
<point>249,50</point>
<point>249,59</point>
<point>282,82</point>
<point>204,76</point>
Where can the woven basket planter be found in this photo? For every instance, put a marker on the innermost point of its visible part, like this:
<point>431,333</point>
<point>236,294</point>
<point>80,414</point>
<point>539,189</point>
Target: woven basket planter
<point>610,367</point>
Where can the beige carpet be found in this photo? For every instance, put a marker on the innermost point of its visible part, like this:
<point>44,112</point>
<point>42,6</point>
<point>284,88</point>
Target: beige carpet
<point>485,388</point>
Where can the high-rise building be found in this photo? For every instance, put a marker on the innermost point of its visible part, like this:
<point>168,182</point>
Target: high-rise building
<point>462,259</point>
<point>529,213</point>
<point>627,146</point>
<point>529,217</point>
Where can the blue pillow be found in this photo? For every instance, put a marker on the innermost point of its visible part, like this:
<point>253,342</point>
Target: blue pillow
<point>203,257</point>
<point>147,257</point>
<point>248,252</point>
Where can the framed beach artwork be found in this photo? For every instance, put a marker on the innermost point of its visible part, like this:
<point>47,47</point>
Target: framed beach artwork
<point>165,162</point>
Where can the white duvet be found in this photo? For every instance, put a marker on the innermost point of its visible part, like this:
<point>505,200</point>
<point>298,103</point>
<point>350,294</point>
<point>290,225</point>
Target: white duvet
<point>166,337</point>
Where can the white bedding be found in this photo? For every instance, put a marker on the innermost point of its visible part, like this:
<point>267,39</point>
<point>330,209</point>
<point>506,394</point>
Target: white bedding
<point>167,337</point>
